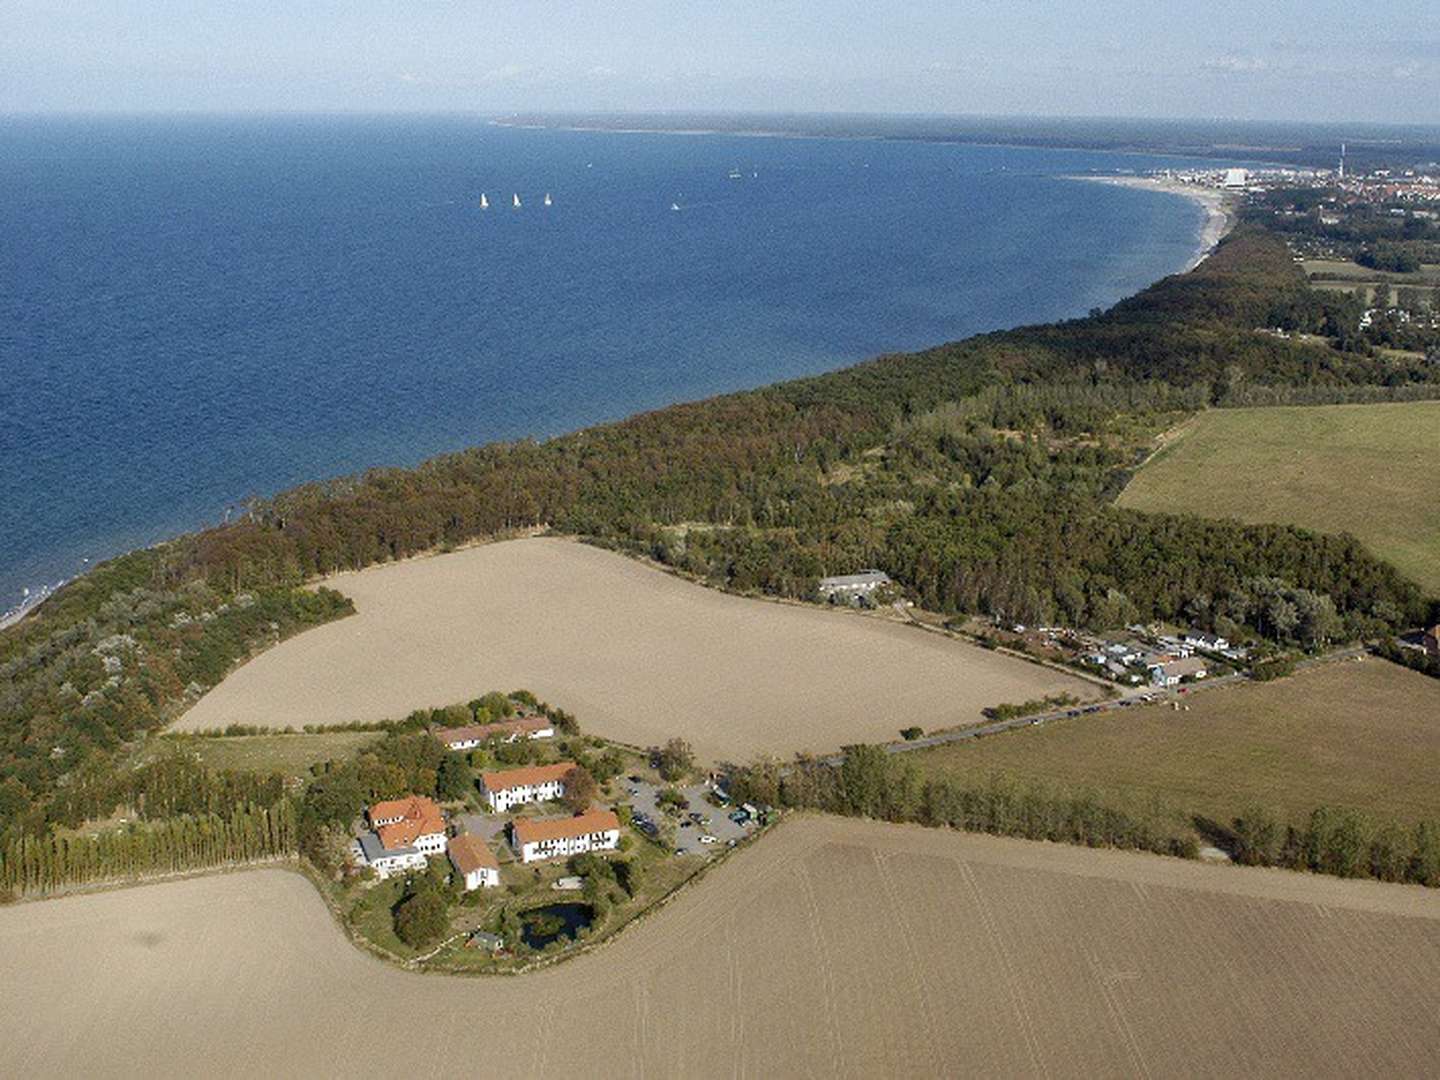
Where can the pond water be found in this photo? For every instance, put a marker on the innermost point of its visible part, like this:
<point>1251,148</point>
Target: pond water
<point>540,926</point>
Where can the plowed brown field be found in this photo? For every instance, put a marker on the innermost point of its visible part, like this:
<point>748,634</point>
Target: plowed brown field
<point>834,948</point>
<point>640,656</point>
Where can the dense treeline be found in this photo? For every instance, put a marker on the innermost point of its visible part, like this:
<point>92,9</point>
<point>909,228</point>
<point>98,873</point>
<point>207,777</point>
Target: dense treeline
<point>1344,843</point>
<point>32,865</point>
<point>112,656</point>
<point>868,782</point>
<point>978,474</point>
<point>871,783</point>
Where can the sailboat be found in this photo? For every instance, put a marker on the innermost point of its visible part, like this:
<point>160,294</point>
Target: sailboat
<point>516,202</point>
<point>547,199</point>
<point>484,202</point>
<point>674,206</point>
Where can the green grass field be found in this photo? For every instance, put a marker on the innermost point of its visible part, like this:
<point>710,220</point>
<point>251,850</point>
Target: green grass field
<point>1363,469</point>
<point>290,755</point>
<point>1364,735</point>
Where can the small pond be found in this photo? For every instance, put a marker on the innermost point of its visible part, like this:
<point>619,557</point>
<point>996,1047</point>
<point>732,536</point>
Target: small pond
<point>540,926</point>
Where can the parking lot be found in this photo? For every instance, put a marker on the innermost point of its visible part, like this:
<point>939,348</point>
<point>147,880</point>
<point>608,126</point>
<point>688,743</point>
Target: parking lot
<point>714,821</point>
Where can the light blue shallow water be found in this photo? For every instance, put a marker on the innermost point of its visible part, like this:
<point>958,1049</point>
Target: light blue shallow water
<point>195,311</point>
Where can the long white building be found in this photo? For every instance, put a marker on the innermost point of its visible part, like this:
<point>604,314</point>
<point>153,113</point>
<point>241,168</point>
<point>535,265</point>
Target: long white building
<point>515,787</point>
<point>558,838</point>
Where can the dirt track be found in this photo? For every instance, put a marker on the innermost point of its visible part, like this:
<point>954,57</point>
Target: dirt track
<point>637,654</point>
<point>832,948</point>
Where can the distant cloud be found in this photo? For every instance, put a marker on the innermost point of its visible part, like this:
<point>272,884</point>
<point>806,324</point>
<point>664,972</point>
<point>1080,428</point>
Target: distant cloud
<point>504,73</point>
<point>1234,64</point>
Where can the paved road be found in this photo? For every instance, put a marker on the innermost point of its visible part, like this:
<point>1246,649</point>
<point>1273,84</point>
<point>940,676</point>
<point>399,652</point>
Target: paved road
<point>1126,701</point>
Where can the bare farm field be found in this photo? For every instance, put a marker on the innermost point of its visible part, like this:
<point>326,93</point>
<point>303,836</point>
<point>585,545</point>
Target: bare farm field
<point>835,948</point>
<point>1332,468</point>
<point>639,655</point>
<point>1363,735</point>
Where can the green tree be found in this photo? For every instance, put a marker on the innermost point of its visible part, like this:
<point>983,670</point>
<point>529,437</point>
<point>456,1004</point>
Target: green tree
<point>580,789</point>
<point>422,917</point>
<point>454,779</point>
<point>676,760</point>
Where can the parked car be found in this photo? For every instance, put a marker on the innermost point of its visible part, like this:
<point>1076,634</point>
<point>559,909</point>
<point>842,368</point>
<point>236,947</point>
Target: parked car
<point>707,839</point>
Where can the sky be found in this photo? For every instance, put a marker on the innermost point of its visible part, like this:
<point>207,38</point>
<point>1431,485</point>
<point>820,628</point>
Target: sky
<point>1317,60</point>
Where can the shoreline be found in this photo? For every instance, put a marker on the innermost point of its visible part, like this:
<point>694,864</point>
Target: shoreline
<point>1219,221</point>
<point>1220,216</point>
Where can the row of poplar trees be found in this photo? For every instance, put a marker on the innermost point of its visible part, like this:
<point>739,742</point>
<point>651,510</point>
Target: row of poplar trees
<point>35,866</point>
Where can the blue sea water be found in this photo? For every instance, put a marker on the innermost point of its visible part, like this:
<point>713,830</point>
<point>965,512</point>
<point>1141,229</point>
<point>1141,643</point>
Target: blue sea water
<point>198,310</point>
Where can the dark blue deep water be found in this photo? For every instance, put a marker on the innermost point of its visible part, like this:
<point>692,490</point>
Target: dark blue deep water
<point>198,310</point>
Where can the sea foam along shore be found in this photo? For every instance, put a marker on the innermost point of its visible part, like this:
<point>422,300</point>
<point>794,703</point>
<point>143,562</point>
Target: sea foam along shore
<point>1218,206</point>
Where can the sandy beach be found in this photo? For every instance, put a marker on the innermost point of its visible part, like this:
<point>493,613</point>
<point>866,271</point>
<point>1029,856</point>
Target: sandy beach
<point>638,654</point>
<point>1218,206</point>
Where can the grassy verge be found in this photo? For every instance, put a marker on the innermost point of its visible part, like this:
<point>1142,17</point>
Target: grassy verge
<point>1360,735</point>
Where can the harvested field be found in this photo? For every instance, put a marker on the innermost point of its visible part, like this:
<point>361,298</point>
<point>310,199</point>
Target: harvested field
<point>1364,735</point>
<point>640,656</point>
<point>835,948</point>
<point>1334,468</point>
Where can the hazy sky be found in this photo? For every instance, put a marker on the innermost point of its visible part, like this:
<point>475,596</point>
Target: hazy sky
<point>1260,59</point>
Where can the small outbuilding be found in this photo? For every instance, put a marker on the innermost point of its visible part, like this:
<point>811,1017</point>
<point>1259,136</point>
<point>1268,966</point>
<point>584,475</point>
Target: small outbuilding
<point>852,588</point>
<point>474,862</point>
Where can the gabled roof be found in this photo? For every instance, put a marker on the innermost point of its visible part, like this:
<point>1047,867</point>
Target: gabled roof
<point>534,830</point>
<point>469,853</point>
<point>528,776</point>
<point>419,817</point>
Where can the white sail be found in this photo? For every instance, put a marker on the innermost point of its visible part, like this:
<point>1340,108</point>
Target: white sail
<point>547,199</point>
<point>516,203</point>
<point>484,202</point>
<point>674,206</point>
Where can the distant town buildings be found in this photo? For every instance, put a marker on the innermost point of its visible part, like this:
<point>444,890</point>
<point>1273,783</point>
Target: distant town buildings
<point>556,838</point>
<point>474,862</point>
<point>852,588</point>
<point>473,735</point>
<point>532,783</point>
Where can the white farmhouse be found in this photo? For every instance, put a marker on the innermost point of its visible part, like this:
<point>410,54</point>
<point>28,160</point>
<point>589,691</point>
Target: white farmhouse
<point>1172,672</point>
<point>474,862</point>
<point>852,588</point>
<point>533,783</point>
<point>557,838</point>
<point>369,851</point>
<point>405,833</point>
<point>1207,642</point>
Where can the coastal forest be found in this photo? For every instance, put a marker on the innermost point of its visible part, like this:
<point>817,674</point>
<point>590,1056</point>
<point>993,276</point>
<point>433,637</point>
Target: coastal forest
<point>980,475</point>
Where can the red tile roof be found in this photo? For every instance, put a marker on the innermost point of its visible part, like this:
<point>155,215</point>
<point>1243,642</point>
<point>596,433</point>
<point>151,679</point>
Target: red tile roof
<point>469,853</point>
<point>527,776</point>
<point>419,817</point>
<point>532,830</point>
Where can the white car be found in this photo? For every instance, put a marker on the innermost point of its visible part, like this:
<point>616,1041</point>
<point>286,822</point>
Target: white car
<point>708,839</point>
